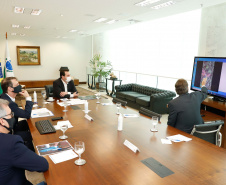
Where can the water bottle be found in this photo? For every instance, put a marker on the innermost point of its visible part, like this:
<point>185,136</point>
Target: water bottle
<point>35,97</point>
<point>86,106</point>
<point>120,122</point>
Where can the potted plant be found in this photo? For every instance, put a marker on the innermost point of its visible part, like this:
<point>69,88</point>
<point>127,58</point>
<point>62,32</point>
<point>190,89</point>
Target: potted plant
<point>100,68</point>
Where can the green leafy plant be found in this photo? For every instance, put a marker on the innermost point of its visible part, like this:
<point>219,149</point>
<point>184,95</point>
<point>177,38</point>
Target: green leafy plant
<point>100,68</point>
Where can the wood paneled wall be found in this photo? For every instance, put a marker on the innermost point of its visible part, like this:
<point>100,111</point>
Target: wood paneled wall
<point>41,83</point>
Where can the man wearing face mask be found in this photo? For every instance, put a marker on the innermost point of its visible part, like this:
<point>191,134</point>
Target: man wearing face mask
<point>15,157</point>
<point>64,86</point>
<point>11,88</point>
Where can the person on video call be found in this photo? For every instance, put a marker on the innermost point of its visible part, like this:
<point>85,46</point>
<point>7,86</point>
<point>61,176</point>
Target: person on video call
<point>64,86</point>
<point>184,111</point>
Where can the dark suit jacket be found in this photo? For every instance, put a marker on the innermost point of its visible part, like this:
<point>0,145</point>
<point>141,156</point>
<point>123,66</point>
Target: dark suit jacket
<point>58,87</point>
<point>18,112</point>
<point>184,111</point>
<point>15,158</point>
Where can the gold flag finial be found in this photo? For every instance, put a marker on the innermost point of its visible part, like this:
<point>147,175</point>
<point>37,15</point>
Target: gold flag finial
<point>6,35</point>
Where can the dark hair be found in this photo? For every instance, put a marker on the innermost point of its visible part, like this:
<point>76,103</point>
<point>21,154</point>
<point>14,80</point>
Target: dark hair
<point>7,82</point>
<point>62,73</point>
<point>181,86</point>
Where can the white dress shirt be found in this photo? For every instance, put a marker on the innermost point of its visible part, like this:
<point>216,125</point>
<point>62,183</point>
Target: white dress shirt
<point>66,90</point>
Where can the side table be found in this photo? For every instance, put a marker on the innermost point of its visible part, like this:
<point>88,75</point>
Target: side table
<point>113,86</point>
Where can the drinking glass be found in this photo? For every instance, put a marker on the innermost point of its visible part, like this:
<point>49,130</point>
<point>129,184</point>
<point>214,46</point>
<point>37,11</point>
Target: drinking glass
<point>98,97</point>
<point>65,106</point>
<point>154,123</point>
<point>79,149</point>
<point>43,93</point>
<point>63,128</point>
<point>118,105</point>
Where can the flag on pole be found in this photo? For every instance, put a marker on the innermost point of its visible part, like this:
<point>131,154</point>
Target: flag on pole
<point>1,76</point>
<point>8,70</point>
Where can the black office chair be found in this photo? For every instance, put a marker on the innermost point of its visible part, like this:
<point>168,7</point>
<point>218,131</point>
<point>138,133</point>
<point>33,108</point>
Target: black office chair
<point>149,113</point>
<point>209,132</point>
<point>116,100</point>
<point>49,91</point>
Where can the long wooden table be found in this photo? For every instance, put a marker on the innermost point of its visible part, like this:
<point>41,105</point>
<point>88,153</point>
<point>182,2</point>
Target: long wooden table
<point>110,162</point>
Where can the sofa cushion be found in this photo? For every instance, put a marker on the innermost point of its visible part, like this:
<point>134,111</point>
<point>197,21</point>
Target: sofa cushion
<point>144,101</point>
<point>133,96</point>
<point>122,94</point>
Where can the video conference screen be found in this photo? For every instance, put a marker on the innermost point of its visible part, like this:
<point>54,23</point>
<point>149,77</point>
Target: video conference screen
<point>210,71</point>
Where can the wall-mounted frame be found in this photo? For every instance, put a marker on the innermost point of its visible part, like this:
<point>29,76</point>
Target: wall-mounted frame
<point>28,55</point>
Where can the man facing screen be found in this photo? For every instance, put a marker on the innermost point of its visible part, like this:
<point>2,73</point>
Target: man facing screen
<point>184,111</point>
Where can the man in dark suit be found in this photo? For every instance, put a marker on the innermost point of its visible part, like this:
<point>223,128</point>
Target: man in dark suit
<point>15,157</point>
<point>64,86</point>
<point>184,111</point>
<point>11,88</point>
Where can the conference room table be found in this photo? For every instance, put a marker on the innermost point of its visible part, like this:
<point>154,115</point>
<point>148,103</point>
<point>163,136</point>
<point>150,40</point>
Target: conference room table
<point>109,161</point>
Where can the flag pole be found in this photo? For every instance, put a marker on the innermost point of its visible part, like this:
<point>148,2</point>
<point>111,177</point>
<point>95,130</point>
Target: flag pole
<point>6,35</point>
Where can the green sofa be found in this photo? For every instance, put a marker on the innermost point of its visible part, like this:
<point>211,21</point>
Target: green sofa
<point>138,96</point>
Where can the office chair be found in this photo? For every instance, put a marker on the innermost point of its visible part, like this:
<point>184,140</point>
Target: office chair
<point>116,100</point>
<point>149,113</point>
<point>49,91</point>
<point>209,132</point>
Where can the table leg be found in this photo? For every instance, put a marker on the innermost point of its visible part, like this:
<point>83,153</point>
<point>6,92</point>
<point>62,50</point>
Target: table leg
<point>112,88</point>
<point>107,87</point>
<point>88,82</point>
<point>93,83</point>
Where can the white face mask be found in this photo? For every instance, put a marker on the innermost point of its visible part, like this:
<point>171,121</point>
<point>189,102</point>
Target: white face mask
<point>68,79</point>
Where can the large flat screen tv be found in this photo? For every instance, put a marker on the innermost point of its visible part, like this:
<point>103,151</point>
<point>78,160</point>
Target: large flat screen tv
<point>213,71</point>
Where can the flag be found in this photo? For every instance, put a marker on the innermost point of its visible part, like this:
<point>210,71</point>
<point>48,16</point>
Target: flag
<point>8,70</point>
<point>1,76</point>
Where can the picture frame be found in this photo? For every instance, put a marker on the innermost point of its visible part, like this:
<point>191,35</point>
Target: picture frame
<point>28,55</point>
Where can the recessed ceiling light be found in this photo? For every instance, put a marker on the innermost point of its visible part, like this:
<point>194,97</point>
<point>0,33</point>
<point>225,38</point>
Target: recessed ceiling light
<point>163,5</point>
<point>36,12</point>
<point>61,15</point>
<point>146,2</point>
<point>22,34</point>
<point>101,19</point>
<point>18,10</point>
<point>112,21</point>
<point>72,31</point>
<point>15,25</point>
<point>27,27</point>
<point>13,33</point>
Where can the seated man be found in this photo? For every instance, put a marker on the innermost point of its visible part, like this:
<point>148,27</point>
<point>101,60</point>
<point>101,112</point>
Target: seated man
<point>184,111</point>
<point>15,157</point>
<point>11,88</point>
<point>64,86</point>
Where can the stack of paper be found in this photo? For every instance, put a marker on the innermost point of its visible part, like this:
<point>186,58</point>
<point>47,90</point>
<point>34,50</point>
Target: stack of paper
<point>106,104</point>
<point>178,138</point>
<point>130,115</point>
<point>60,123</point>
<point>52,148</point>
<point>72,102</point>
<point>43,112</point>
<point>63,156</point>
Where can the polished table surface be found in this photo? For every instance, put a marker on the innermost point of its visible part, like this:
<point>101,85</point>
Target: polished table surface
<point>110,162</point>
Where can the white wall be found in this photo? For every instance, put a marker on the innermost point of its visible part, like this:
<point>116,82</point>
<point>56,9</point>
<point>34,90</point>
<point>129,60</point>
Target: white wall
<point>54,53</point>
<point>164,47</point>
<point>212,40</point>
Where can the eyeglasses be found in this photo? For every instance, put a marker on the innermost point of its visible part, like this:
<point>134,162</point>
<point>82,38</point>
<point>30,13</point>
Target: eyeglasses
<point>11,114</point>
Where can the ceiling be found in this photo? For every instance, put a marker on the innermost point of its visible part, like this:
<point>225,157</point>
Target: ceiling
<point>80,14</point>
